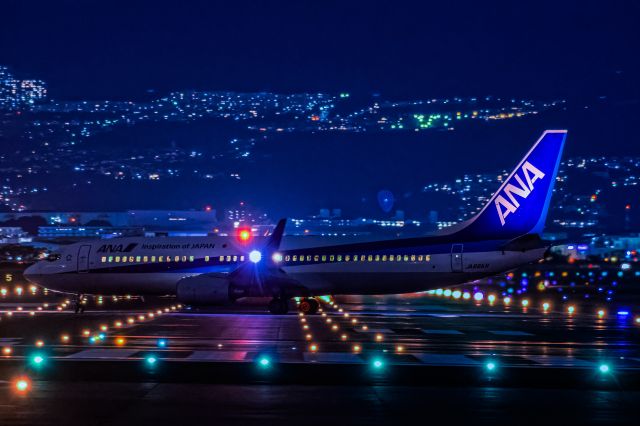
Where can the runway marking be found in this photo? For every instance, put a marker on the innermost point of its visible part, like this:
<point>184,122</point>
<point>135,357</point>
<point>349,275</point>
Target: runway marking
<point>510,333</point>
<point>217,356</point>
<point>100,353</point>
<point>559,361</point>
<point>446,359</point>
<point>332,357</point>
<point>450,332</point>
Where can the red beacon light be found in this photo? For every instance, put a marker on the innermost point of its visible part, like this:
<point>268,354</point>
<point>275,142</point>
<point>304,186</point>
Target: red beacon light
<point>244,235</point>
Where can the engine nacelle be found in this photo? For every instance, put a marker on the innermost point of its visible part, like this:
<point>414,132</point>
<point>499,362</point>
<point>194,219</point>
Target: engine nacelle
<point>204,290</point>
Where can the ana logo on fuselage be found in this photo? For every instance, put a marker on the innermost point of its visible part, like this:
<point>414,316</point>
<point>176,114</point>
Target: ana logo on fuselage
<point>506,202</point>
<point>117,248</point>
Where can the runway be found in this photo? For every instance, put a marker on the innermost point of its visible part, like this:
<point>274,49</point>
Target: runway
<point>374,357</point>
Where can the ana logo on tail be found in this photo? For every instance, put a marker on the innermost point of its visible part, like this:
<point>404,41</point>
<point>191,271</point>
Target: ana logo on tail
<point>506,202</point>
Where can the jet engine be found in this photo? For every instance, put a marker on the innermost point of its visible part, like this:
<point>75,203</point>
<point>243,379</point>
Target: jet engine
<point>205,290</point>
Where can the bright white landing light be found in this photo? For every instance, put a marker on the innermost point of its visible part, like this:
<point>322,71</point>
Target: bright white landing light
<point>255,256</point>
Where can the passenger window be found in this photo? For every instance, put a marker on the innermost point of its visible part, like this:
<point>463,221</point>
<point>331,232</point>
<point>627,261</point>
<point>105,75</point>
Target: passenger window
<point>316,258</point>
<point>228,258</point>
<point>131,259</point>
<point>406,258</point>
<point>145,259</point>
<point>241,258</point>
<point>391,258</point>
<point>287,258</point>
<point>110,259</point>
<point>103,259</point>
<point>153,259</point>
<point>191,258</point>
<point>206,258</point>
<point>384,257</point>
<point>168,259</point>
<point>138,258</point>
<point>339,258</point>
<point>176,258</point>
<point>184,258</point>
<point>308,258</point>
<point>160,258</point>
<point>295,257</point>
<point>221,258</point>
<point>347,258</point>
<point>235,258</point>
<point>427,258</point>
<point>331,258</point>
<point>420,258</point>
<point>369,258</point>
<point>413,257</point>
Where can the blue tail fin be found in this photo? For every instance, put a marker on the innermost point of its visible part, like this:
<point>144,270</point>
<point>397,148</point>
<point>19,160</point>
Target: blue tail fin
<point>521,204</point>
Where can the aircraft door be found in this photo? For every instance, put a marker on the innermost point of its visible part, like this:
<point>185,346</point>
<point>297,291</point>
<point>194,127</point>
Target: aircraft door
<point>83,259</point>
<point>456,257</point>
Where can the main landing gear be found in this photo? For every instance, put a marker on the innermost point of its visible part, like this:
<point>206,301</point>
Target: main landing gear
<point>78,304</point>
<point>309,306</point>
<point>279,306</point>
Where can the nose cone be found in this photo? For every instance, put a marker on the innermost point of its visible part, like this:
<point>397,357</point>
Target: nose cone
<point>32,273</point>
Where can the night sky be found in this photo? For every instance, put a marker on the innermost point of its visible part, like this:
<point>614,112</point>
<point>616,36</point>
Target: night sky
<point>586,52</point>
<point>119,50</point>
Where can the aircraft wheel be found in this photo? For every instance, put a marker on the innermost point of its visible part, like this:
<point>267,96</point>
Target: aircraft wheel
<point>309,306</point>
<point>279,306</point>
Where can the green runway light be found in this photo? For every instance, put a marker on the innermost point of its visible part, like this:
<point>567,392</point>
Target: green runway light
<point>604,368</point>
<point>151,360</point>
<point>38,360</point>
<point>377,364</point>
<point>264,362</point>
<point>490,366</point>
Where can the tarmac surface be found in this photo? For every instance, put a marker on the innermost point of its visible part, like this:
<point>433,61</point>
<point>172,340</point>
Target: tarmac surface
<point>360,361</point>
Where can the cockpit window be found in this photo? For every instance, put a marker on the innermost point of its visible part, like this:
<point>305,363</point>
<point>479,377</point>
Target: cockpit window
<point>53,257</point>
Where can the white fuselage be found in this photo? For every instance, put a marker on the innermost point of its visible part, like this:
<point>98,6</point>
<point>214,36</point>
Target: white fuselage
<point>154,265</point>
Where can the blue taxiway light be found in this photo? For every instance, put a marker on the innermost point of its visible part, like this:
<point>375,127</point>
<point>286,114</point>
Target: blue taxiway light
<point>162,343</point>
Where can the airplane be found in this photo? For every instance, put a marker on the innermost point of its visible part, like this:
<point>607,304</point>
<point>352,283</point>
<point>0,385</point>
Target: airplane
<point>505,234</point>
